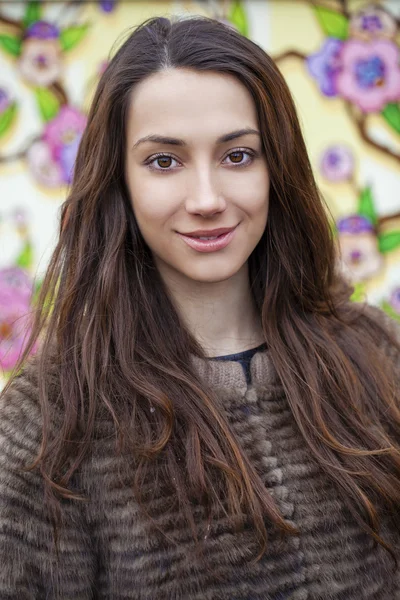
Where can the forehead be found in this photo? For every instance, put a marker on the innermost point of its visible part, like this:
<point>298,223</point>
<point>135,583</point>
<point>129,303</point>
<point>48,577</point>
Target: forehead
<point>188,103</point>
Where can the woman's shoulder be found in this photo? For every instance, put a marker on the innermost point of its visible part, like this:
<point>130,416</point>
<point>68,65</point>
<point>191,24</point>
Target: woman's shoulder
<point>372,320</point>
<point>20,410</point>
<point>20,415</point>
<point>370,332</point>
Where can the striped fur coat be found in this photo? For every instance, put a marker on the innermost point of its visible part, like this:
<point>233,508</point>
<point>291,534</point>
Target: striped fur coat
<point>108,552</point>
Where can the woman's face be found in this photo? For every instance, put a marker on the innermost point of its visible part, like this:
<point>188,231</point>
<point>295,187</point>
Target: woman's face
<point>195,168</point>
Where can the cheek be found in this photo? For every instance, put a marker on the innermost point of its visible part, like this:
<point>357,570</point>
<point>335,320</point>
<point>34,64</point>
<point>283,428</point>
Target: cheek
<point>253,196</point>
<point>154,200</point>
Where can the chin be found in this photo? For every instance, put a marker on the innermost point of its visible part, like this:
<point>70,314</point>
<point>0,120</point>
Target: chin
<point>211,275</point>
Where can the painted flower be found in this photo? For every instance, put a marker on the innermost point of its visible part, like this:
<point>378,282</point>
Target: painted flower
<point>107,5</point>
<point>63,135</point>
<point>394,300</point>
<point>372,22</point>
<point>325,65</point>
<point>5,100</point>
<point>52,158</point>
<point>15,282</point>
<point>41,58</point>
<point>15,314</point>
<point>15,323</point>
<point>359,253</point>
<point>64,129</point>
<point>42,166</point>
<point>337,163</point>
<point>370,77</point>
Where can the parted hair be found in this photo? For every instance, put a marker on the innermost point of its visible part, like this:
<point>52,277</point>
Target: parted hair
<point>123,349</point>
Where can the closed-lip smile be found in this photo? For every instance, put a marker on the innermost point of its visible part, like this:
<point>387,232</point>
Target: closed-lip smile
<point>208,240</point>
<point>209,232</point>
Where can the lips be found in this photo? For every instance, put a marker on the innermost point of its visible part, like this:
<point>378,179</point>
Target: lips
<point>208,240</point>
<point>209,232</point>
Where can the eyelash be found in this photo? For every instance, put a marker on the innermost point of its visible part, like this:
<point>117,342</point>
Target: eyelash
<point>154,157</point>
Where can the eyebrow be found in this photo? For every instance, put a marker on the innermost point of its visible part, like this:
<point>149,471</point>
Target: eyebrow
<point>170,141</point>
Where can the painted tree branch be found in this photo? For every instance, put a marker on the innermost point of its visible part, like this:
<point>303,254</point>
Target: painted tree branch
<point>20,154</point>
<point>360,120</point>
<point>58,90</point>
<point>11,22</point>
<point>289,54</point>
<point>388,218</point>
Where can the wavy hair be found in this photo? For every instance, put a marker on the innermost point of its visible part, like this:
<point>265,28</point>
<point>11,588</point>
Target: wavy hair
<point>123,348</point>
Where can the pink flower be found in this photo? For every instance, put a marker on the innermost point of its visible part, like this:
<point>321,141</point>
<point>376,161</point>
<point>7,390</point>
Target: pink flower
<point>42,166</point>
<point>52,158</point>
<point>15,324</point>
<point>372,22</point>
<point>16,282</point>
<point>64,130</point>
<point>370,75</point>
<point>15,314</point>
<point>337,163</point>
<point>41,59</point>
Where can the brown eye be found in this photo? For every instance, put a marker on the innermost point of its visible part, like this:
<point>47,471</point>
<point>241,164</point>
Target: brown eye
<point>236,157</point>
<point>164,162</point>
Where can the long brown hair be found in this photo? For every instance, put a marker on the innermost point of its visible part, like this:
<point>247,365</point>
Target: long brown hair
<point>122,347</point>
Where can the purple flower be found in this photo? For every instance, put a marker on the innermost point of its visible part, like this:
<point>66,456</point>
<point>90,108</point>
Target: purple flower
<point>337,163</point>
<point>4,100</point>
<point>372,22</point>
<point>41,57</point>
<point>394,300</point>
<point>354,224</point>
<point>360,258</point>
<point>42,30</point>
<point>370,77</point>
<point>107,5</point>
<point>325,65</point>
<point>67,159</point>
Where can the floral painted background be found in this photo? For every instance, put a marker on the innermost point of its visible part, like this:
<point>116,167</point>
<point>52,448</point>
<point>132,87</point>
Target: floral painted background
<point>341,60</point>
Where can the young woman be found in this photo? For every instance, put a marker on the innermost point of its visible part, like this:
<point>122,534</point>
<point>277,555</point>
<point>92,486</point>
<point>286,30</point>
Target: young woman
<point>208,416</point>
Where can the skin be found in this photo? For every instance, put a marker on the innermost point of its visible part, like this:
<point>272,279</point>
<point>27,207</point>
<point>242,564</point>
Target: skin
<point>201,184</point>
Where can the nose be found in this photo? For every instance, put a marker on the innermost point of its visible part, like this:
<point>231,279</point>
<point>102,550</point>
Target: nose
<point>204,196</point>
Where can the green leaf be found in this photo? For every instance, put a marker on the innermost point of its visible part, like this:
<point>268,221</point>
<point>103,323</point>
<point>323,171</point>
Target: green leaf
<point>366,206</point>
<point>237,16</point>
<point>333,23</point>
<point>389,241</point>
<point>25,259</point>
<point>391,114</point>
<point>389,310</point>
<point>71,36</point>
<point>11,44</point>
<point>33,12</point>
<point>7,117</point>
<point>359,292</point>
<point>49,104</point>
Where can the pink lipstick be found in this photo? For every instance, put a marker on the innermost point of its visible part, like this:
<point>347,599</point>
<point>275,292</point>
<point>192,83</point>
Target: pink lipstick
<point>208,240</point>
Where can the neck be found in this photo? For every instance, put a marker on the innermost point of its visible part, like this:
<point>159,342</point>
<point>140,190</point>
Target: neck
<point>221,316</point>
